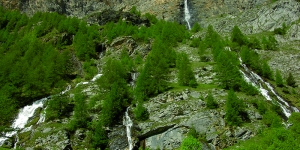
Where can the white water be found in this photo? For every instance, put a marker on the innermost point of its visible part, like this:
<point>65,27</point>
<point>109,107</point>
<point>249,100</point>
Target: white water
<point>22,118</point>
<point>128,123</point>
<point>257,81</point>
<point>134,77</point>
<point>187,15</point>
<point>25,114</point>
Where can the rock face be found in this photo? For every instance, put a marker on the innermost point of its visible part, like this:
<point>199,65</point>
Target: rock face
<point>252,16</point>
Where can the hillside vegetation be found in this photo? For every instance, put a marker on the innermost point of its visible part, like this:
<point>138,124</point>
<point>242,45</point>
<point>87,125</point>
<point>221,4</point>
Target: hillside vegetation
<point>42,54</point>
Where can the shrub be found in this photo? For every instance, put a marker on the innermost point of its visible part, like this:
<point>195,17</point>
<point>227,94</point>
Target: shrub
<point>196,28</point>
<point>278,79</point>
<point>185,74</point>
<point>271,119</point>
<point>291,81</point>
<point>234,109</point>
<point>210,101</point>
<point>190,143</point>
<point>238,37</point>
<point>140,113</point>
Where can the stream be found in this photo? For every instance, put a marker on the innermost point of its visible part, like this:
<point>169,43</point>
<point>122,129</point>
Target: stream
<point>127,122</point>
<point>27,112</point>
<point>265,88</point>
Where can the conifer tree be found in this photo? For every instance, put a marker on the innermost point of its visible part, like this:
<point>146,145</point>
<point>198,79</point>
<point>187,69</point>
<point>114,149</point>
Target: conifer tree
<point>234,108</point>
<point>228,71</point>
<point>291,80</point>
<point>238,37</point>
<point>210,101</point>
<point>278,78</point>
<point>185,74</point>
<point>266,70</point>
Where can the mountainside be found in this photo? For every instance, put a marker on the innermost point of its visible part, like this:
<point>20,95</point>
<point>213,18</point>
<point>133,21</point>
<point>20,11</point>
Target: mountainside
<point>129,74</point>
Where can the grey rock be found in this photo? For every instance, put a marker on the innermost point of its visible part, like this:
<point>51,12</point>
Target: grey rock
<point>170,139</point>
<point>185,96</point>
<point>46,130</point>
<point>211,136</point>
<point>80,134</point>
<point>195,94</point>
<point>240,132</point>
<point>258,116</point>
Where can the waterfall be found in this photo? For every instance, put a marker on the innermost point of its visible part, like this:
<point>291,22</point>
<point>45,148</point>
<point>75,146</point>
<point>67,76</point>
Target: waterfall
<point>128,123</point>
<point>26,113</point>
<point>257,81</point>
<point>134,77</point>
<point>187,15</point>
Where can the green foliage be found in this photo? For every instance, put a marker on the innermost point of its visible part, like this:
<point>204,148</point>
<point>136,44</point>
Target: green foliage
<point>190,143</point>
<point>185,73</point>
<point>271,119</point>
<point>266,70</point>
<point>140,112</point>
<point>80,110</point>
<point>90,70</point>
<point>127,61</point>
<point>291,81</point>
<point>278,79</point>
<point>196,28</point>
<point>228,71</point>
<point>295,120</point>
<point>254,43</point>
<point>99,138</point>
<point>133,10</point>
<point>213,39</point>
<point>273,138</point>
<point>117,95</point>
<point>282,30</point>
<point>152,79</point>
<point>248,88</point>
<point>238,37</point>
<point>211,102</point>
<point>193,133</point>
<point>7,109</point>
<point>234,109</point>
<point>269,43</point>
<point>57,107</point>
<point>195,42</point>
<point>151,18</point>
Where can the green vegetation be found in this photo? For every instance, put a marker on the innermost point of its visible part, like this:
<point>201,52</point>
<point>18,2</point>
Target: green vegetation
<point>278,79</point>
<point>190,143</point>
<point>282,30</point>
<point>185,73</point>
<point>277,137</point>
<point>41,54</point>
<point>234,110</point>
<point>291,81</point>
<point>211,102</point>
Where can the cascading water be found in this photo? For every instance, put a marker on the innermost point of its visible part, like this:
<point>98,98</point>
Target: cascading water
<point>128,123</point>
<point>257,81</point>
<point>28,111</point>
<point>187,15</point>
<point>23,116</point>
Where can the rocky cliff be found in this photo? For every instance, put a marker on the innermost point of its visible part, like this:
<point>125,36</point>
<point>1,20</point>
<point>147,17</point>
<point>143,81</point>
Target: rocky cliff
<point>171,10</point>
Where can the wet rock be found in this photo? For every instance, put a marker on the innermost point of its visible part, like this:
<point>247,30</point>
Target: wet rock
<point>118,138</point>
<point>8,143</point>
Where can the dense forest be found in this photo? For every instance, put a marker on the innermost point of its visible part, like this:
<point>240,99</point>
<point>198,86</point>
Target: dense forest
<point>42,54</point>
